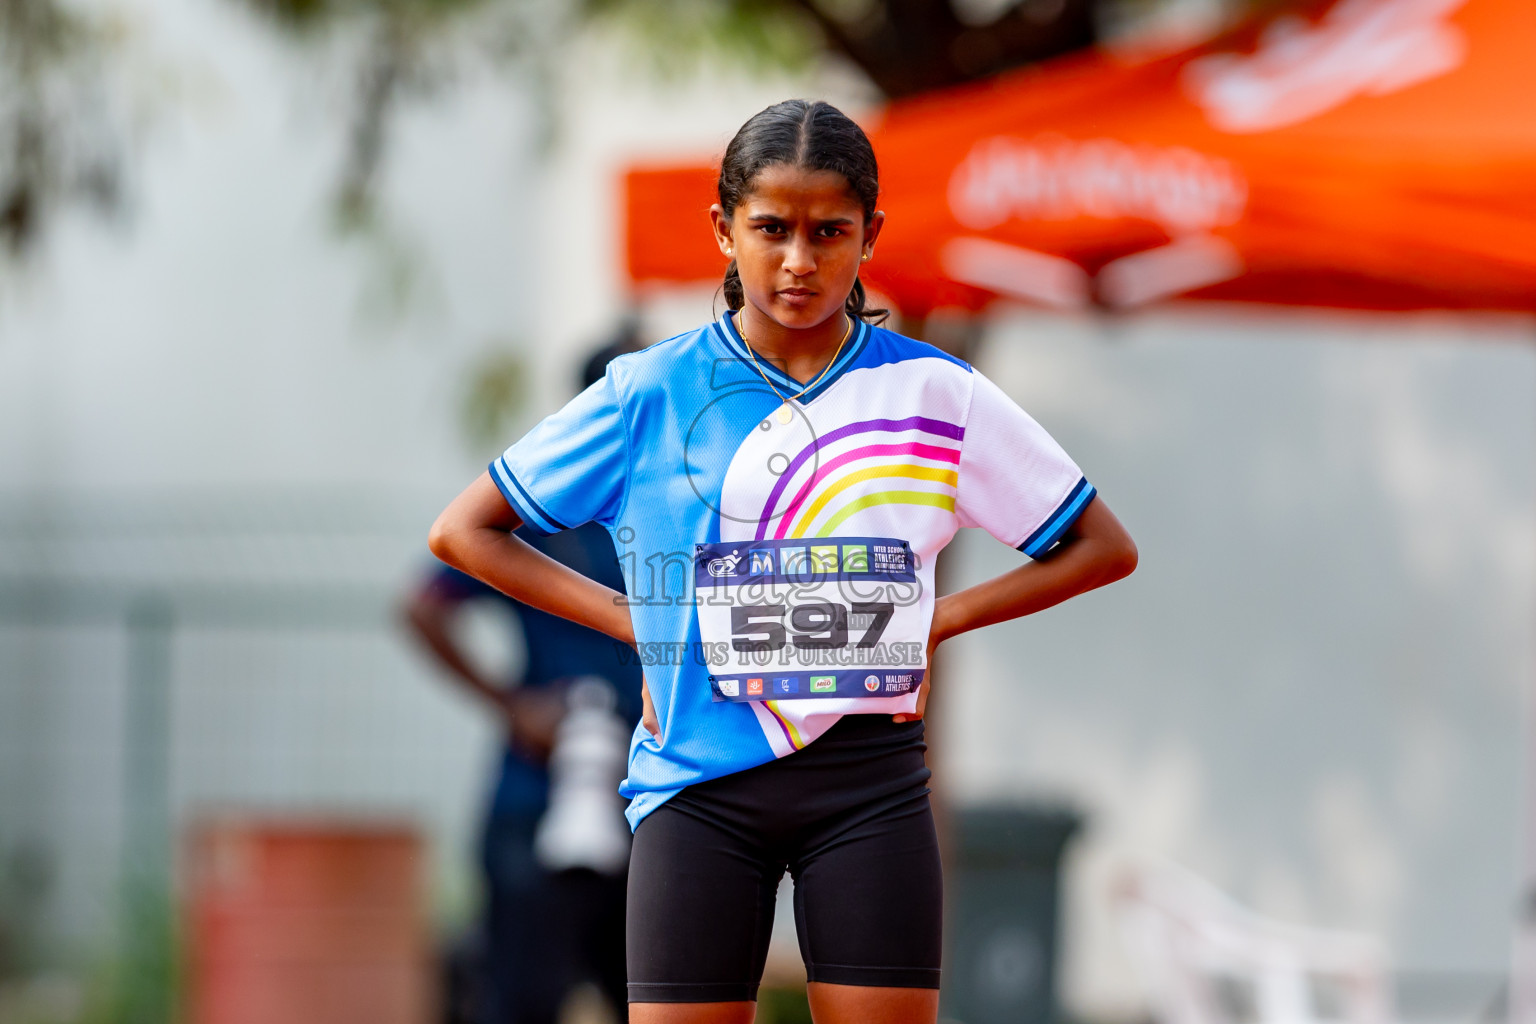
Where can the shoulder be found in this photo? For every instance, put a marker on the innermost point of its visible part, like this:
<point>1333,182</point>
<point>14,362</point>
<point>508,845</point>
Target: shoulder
<point>661,363</point>
<point>906,378</point>
<point>903,365</point>
<point>885,347</point>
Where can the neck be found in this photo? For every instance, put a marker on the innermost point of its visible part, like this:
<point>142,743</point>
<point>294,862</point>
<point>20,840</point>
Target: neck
<point>800,352</point>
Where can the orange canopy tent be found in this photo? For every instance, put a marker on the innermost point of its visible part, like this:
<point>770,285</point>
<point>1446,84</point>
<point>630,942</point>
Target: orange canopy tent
<point>1376,154</point>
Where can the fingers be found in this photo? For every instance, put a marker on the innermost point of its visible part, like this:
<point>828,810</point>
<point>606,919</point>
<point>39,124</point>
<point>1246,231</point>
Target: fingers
<point>648,711</point>
<point>922,706</point>
<point>922,691</point>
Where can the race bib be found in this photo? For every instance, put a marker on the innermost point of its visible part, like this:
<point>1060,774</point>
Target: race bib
<point>792,619</point>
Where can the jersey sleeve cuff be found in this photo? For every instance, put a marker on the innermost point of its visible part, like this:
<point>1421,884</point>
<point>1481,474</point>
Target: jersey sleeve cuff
<point>528,510</point>
<point>1058,521</point>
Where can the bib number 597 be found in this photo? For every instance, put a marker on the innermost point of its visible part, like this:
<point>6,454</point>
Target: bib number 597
<point>815,625</point>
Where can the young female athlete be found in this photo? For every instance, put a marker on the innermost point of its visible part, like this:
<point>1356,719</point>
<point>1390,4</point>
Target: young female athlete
<point>778,484</point>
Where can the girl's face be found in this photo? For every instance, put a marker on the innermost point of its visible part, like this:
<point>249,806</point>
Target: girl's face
<point>797,238</point>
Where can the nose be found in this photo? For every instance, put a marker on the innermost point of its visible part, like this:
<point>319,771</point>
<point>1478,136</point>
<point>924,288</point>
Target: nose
<point>799,256</point>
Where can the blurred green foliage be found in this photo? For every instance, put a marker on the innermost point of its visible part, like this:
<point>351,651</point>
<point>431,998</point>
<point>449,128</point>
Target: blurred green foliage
<point>134,980</point>
<point>141,984</point>
<point>676,36</point>
<point>496,392</point>
<point>400,38</point>
<point>26,881</point>
<point>783,1006</point>
<point>59,140</point>
<point>408,46</point>
<point>306,15</point>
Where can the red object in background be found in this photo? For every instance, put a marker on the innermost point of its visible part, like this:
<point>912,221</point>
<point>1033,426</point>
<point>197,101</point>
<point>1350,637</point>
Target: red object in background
<point>306,921</point>
<point>1376,154</point>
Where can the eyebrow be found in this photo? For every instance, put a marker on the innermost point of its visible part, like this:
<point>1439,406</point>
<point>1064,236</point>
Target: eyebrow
<point>776,216</point>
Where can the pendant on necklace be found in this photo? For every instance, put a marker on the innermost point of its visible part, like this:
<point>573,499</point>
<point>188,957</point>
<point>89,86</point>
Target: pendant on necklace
<point>785,413</point>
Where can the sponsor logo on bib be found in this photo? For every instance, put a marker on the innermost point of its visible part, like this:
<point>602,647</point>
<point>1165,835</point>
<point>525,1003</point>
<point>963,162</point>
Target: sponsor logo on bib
<point>730,687</point>
<point>823,684</point>
<point>824,558</point>
<point>872,683</point>
<point>725,566</point>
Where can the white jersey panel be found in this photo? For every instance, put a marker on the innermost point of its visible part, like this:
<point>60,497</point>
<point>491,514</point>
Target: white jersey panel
<point>1016,482</point>
<point>876,456</point>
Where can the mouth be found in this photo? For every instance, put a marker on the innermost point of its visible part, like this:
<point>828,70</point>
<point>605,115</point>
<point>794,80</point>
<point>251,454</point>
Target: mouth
<point>797,298</point>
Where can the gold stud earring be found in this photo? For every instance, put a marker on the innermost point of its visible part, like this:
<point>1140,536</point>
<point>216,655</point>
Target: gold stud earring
<point>864,258</point>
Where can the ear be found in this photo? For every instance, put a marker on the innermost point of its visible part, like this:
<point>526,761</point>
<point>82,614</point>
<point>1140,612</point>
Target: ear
<point>722,227</point>
<point>872,231</point>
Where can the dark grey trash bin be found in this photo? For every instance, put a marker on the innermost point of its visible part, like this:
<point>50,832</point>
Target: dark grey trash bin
<point>1001,902</point>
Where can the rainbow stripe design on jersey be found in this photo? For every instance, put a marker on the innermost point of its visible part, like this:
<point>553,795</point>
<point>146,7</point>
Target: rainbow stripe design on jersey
<point>795,738</point>
<point>920,461</point>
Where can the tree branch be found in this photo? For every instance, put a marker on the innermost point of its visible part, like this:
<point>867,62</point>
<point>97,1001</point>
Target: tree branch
<point>912,46</point>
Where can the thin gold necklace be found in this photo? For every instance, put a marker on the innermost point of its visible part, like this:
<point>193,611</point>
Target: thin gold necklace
<point>824,369</point>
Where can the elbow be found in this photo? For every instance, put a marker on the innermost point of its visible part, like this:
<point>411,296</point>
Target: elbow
<point>1124,559</point>
<point>441,538</point>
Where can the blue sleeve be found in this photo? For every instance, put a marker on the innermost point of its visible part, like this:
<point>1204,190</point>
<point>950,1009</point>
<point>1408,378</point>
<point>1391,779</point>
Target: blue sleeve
<point>573,467</point>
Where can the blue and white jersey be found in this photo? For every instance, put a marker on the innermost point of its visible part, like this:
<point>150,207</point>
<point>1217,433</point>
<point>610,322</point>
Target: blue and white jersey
<point>779,556</point>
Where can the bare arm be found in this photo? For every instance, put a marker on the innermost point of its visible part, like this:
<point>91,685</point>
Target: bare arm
<point>529,716</point>
<point>1095,551</point>
<point>429,614</point>
<point>474,535</point>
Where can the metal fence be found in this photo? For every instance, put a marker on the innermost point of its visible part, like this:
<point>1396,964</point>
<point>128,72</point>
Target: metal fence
<point>192,658</point>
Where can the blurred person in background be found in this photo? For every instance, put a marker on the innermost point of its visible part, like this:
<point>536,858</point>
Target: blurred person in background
<point>554,845</point>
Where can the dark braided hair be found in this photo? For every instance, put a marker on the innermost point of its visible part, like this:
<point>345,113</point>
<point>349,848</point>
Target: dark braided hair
<point>812,135</point>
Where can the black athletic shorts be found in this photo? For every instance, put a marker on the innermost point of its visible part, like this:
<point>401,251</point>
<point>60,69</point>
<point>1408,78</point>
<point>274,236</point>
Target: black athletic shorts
<point>848,816</point>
